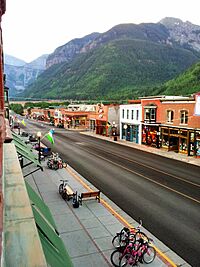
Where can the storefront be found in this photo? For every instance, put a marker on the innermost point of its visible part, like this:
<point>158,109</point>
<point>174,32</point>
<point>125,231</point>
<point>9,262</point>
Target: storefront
<point>198,143</point>
<point>180,140</point>
<point>101,127</point>
<point>151,135</point>
<point>130,132</point>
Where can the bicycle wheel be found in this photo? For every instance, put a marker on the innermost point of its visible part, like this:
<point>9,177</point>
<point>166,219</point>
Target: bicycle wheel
<point>119,240</point>
<point>149,255</point>
<point>115,257</point>
<point>64,196</point>
<point>127,260</point>
<point>60,188</point>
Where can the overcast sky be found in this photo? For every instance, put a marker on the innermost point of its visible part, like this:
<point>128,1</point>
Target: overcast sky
<point>32,28</point>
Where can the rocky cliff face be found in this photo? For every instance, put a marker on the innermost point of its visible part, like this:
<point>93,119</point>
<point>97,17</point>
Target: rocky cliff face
<point>20,74</point>
<point>67,52</point>
<point>168,31</point>
<point>184,33</point>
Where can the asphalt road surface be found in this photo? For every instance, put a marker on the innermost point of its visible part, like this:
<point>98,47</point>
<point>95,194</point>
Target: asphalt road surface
<point>164,192</point>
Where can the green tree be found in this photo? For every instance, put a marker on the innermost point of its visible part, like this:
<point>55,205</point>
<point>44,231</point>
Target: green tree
<point>17,108</point>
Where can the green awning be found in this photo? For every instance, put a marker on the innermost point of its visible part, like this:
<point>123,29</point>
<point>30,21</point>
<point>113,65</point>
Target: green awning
<point>21,141</point>
<point>25,152</point>
<point>52,244</point>
<point>37,201</point>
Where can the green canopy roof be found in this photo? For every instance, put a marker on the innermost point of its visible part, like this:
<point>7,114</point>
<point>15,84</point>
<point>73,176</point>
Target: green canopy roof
<point>53,246</point>
<point>26,152</point>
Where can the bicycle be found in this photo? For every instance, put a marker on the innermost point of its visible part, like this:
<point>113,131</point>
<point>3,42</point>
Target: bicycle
<point>125,235</point>
<point>62,190</point>
<point>132,253</point>
<point>142,252</point>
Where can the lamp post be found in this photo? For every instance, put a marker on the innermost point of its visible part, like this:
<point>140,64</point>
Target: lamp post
<point>125,128</point>
<point>18,127</point>
<point>39,148</point>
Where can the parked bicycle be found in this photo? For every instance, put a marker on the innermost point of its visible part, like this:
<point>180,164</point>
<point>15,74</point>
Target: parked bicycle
<point>133,253</point>
<point>126,235</point>
<point>55,162</point>
<point>62,189</point>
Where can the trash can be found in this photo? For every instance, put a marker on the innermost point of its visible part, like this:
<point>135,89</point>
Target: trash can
<point>115,138</point>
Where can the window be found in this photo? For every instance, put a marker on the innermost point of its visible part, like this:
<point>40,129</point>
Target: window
<point>132,114</point>
<point>122,113</point>
<point>150,114</point>
<point>127,114</point>
<point>184,117</point>
<point>170,115</point>
<point>137,114</point>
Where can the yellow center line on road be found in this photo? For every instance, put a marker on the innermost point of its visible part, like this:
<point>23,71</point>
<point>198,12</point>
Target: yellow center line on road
<point>120,218</point>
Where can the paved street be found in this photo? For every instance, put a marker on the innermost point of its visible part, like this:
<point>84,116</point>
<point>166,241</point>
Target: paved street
<point>141,193</point>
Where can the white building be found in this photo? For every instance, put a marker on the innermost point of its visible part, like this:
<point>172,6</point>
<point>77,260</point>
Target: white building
<point>130,122</point>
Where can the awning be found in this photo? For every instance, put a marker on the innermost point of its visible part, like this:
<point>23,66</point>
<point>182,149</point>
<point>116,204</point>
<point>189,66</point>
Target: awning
<point>24,151</point>
<point>52,244</point>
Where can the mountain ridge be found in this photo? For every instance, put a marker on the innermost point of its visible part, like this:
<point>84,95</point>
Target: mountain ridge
<point>141,67</point>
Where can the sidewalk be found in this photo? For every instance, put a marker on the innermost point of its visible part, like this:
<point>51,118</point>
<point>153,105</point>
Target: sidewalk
<point>158,151</point>
<point>87,231</point>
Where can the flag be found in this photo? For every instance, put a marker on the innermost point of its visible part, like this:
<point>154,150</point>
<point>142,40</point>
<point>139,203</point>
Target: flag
<point>23,122</point>
<point>52,131</point>
<point>49,136</point>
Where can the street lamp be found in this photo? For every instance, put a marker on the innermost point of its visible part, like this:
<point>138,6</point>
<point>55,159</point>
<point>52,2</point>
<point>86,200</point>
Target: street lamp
<point>39,148</point>
<point>18,127</point>
<point>125,128</point>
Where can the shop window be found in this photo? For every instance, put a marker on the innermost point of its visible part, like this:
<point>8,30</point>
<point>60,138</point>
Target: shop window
<point>150,114</point>
<point>170,115</point>
<point>184,116</point>
<point>165,141</point>
<point>183,145</point>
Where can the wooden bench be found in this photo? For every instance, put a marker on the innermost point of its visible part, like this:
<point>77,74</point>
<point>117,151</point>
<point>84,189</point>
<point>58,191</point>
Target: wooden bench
<point>84,195</point>
<point>68,192</point>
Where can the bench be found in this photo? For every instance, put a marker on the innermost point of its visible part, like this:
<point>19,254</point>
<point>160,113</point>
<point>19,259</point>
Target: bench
<point>84,195</point>
<point>68,192</point>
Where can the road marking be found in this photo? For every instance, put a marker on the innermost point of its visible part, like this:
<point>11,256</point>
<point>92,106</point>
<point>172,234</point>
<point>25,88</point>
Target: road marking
<point>155,182</point>
<point>120,218</point>
<point>147,166</point>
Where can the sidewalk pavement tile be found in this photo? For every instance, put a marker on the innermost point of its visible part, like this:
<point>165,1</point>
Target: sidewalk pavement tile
<point>84,213</point>
<point>91,260</point>
<point>104,243</point>
<point>44,188</point>
<point>98,232</point>
<point>78,243</point>
<point>88,223</point>
<point>66,223</point>
<point>59,208</point>
<point>51,196</point>
<point>108,219</point>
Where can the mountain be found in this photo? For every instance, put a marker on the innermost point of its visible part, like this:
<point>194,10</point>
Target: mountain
<point>20,74</point>
<point>67,52</point>
<point>186,83</point>
<point>184,33</point>
<point>127,61</point>
<point>13,61</point>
